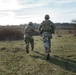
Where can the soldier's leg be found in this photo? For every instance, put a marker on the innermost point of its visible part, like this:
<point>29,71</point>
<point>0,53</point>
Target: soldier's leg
<point>27,45</point>
<point>47,43</point>
<point>32,43</point>
<point>47,46</point>
<point>48,52</point>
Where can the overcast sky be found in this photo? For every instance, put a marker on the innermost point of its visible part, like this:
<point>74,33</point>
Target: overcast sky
<point>24,11</point>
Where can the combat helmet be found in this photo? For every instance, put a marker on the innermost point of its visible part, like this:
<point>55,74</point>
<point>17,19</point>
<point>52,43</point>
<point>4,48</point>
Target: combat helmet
<point>47,16</point>
<point>30,23</point>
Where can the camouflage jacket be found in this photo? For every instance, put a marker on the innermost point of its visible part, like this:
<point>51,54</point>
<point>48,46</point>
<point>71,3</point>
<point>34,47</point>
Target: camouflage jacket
<point>29,31</point>
<point>47,25</point>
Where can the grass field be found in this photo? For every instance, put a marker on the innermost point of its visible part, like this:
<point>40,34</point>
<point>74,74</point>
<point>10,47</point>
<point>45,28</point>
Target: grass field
<point>15,61</point>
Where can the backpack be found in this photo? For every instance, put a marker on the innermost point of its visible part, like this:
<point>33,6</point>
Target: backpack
<point>29,29</point>
<point>47,25</point>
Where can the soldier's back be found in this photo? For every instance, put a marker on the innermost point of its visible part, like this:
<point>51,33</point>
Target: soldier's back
<point>46,25</point>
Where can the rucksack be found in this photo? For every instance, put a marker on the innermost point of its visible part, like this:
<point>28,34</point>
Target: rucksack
<point>47,25</point>
<point>29,29</point>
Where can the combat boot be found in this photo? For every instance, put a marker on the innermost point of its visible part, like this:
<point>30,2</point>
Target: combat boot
<point>27,51</point>
<point>48,57</point>
<point>32,49</point>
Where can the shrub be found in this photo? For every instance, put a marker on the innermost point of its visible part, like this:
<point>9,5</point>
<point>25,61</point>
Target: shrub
<point>10,34</point>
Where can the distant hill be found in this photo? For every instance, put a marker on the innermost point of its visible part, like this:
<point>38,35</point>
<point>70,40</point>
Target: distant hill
<point>64,25</point>
<point>57,25</point>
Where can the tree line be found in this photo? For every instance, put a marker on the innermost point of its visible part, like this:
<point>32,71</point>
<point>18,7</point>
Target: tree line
<point>16,32</point>
<point>10,34</point>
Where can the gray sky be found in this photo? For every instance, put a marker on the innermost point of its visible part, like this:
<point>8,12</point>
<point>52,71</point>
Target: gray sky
<point>24,11</point>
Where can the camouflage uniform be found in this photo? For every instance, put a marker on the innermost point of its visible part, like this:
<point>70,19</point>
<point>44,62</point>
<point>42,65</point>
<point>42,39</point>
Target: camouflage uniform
<point>47,29</point>
<point>47,41</point>
<point>28,36</point>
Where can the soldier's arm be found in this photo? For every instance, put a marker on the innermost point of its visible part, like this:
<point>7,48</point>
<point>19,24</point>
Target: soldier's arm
<point>25,29</point>
<point>41,26</point>
<point>33,28</point>
<point>51,22</point>
<point>53,26</point>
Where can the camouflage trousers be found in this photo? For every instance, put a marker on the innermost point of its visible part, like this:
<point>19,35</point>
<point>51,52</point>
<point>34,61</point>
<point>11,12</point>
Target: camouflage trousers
<point>47,41</point>
<point>29,40</point>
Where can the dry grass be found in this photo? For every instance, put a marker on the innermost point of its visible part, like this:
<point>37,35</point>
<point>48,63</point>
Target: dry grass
<point>15,61</point>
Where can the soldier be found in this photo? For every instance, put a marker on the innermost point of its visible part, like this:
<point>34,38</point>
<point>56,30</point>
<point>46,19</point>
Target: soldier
<point>28,36</point>
<point>47,29</point>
